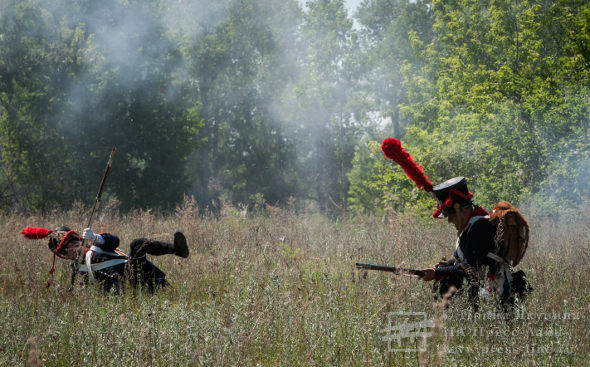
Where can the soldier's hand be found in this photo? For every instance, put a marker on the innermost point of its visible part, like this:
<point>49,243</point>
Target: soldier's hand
<point>89,235</point>
<point>428,274</point>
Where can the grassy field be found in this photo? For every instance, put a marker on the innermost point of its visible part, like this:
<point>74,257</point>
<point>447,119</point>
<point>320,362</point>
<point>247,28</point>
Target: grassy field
<point>280,289</point>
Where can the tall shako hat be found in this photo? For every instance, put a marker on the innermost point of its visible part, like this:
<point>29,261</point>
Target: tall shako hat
<point>449,193</point>
<point>58,239</point>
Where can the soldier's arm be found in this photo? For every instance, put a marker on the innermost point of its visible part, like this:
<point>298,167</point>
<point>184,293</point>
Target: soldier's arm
<point>448,270</point>
<point>109,243</point>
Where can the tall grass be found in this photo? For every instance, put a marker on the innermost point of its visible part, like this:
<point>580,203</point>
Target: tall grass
<point>280,288</point>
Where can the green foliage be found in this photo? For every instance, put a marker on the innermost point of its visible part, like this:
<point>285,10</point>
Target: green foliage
<point>502,99</point>
<point>333,106</point>
<point>66,99</point>
<point>229,99</point>
<point>39,56</point>
<point>390,30</point>
<point>238,66</point>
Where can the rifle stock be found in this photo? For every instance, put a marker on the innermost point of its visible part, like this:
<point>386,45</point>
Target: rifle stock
<point>391,269</point>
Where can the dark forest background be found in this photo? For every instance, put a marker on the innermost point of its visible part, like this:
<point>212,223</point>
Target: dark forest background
<point>254,102</point>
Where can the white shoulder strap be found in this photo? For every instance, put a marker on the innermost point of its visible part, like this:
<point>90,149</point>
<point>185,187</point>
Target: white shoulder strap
<point>88,262</point>
<point>475,219</point>
<point>89,268</point>
<point>101,265</point>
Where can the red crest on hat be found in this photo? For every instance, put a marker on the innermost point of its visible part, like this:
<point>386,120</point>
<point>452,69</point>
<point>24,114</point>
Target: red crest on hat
<point>34,233</point>
<point>392,148</point>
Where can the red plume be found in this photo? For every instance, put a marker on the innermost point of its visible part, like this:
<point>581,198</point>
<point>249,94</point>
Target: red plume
<point>392,148</point>
<point>34,233</point>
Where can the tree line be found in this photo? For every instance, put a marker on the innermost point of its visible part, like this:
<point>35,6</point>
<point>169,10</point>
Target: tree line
<point>273,101</point>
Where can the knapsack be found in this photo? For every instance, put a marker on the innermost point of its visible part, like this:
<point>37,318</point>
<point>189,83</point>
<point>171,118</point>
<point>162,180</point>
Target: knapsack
<point>512,232</point>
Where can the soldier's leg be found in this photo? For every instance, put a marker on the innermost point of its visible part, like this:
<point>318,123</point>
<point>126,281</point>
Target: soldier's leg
<point>517,288</point>
<point>445,289</point>
<point>142,246</point>
<point>150,275</point>
<point>143,270</point>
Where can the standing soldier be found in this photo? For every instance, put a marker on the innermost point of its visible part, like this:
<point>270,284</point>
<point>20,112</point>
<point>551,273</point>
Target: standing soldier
<point>485,248</point>
<point>475,240</point>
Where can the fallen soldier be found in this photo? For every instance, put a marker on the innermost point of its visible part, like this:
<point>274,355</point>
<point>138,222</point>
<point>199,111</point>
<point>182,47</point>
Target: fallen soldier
<point>97,257</point>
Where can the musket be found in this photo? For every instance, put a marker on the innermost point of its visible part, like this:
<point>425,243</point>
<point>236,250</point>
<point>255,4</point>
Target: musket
<point>78,261</point>
<point>104,180</point>
<point>391,269</point>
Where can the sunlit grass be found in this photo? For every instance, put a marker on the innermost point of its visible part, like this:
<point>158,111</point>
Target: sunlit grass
<point>281,289</point>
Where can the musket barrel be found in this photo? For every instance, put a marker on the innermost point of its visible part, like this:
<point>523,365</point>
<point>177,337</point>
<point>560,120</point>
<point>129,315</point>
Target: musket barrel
<point>391,269</point>
<point>96,201</point>
<point>104,179</point>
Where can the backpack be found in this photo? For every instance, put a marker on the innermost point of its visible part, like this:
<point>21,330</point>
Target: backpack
<point>512,232</point>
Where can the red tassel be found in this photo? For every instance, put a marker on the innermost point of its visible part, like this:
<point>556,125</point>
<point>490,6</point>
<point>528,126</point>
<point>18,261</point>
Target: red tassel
<point>34,233</point>
<point>448,201</point>
<point>454,191</point>
<point>392,148</point>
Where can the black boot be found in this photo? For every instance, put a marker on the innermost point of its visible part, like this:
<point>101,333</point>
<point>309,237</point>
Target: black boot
<point>180,245</point>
